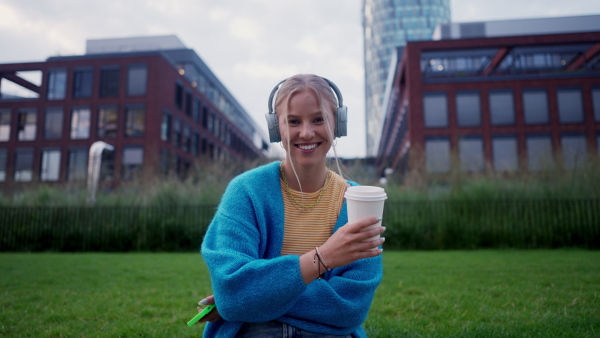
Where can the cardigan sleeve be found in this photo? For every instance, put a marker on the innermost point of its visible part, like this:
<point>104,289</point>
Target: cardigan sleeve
<point>343,298</point>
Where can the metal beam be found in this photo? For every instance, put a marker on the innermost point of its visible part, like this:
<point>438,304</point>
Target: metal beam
<point>13,77</point>
<point>583,58</point>
<point>495,61</point>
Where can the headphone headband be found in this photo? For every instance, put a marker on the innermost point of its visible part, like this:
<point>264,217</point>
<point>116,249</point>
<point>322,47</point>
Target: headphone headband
<point>341,116</point>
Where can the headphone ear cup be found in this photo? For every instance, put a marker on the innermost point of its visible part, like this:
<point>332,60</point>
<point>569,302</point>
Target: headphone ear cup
<point>341,122</point>
<point>273,127</point>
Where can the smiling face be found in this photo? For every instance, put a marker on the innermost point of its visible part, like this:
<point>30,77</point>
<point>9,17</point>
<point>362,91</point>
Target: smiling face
<point>304,131</point>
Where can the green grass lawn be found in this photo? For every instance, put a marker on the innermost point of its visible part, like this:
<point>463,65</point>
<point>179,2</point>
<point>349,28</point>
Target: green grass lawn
<point>423,294</point>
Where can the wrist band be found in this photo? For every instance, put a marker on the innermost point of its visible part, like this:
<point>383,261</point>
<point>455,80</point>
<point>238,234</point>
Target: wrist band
<point>321,261</point>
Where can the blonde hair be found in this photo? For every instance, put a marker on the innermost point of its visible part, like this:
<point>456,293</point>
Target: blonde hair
<point>327,102</point>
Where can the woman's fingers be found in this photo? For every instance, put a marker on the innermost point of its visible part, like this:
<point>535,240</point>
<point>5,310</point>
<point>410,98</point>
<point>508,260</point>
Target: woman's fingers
<point>207,301</point>
<point>358,226</point>
<point>212,316</point>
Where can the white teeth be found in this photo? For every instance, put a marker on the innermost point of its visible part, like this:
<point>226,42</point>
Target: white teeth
<point>309,147</point>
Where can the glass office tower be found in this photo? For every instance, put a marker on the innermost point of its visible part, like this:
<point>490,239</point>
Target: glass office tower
<point>388,25</point>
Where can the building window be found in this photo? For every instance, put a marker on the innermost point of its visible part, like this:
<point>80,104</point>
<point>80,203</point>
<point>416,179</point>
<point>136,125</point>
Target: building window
<point>188,104</point>
<point>179,96</point>
<point>4,125</point>
<point>77,164</point>
<point>187,139</point>
<point>204,117</point>
<point>505,155</point>
<point>596,102</point>
<point>3,159</point>
<point>107,166</point>
<point>80,123</point>
<point>27,125</point>
<point>182,167</point>
<point>137,79</point>
<point>470,154</point>
<point>468,109</point>
<point>107,122</point>
<point>196,111</point>
<point>50,169</point>
<point>535,106</point>
<point>176,132</point>
<point>135,121</point>
<point>539,152</point>
<point>165,127</point>
<point>164,162</point>
<point>133,158</point>
<point>109,82</point>
<point>574,150</point>
<point>57,84</point>
<point>53,123</point>
<point>437,155</point>
<point>570,105</point>
<point>82,82</point>
<point>217,128</point>
<point>211,122</point>
<point>435,110</point>
<point>502,111</point>
<point>195,143</point>
<point>23,165</point>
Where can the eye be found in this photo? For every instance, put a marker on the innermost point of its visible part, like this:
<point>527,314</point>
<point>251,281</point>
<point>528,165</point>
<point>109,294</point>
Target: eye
<point>293,121</point>
<point>319,120</point>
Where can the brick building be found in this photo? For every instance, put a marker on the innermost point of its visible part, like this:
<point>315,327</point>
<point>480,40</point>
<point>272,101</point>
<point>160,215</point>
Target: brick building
<point>152,99</point>
<point>501,103</point>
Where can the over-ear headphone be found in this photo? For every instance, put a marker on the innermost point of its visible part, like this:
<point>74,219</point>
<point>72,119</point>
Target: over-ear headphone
<point>341,116</point>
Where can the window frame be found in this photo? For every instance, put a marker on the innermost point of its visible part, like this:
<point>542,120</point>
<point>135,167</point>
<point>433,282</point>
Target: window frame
<point>74,130</point>
<point>57,86</point>
<point>110,78</point>
<point>465,157</point>
<point>500,166</point>
<point>568,113</point>
<point>497,118</point>
<point>17,172</point>
<point>56,133</point>
<point>535,117</point>
<point>468,118</point>
<point>44,174</point>
<point>137,84</point>
<point>129,170</point>
<point>5,124</point>
<point>103,122</point>
<point>83,82</point>
<point>132,126</point>
<point>433,118</point>
<point>437,165</point>
<point>23,123</point>
<point>74,171</point>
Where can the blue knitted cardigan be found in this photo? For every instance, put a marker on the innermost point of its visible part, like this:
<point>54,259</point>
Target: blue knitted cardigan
<point>252,282</point>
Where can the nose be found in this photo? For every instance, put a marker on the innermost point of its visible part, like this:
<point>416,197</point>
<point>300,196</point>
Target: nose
<point>307,131</point>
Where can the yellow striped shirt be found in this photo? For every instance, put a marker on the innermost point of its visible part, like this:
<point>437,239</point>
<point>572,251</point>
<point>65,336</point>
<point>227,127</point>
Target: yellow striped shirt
<point>306,228</point>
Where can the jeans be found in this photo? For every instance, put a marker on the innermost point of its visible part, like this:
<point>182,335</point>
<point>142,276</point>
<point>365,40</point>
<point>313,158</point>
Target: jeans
<point>275,329</point>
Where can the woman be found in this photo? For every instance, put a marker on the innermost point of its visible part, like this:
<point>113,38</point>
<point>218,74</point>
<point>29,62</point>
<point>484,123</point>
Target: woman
<point>279,251</point>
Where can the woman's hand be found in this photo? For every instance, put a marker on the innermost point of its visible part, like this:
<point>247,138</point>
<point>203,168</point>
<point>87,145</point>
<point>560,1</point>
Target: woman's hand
<point>213,315</point>
<point>348,244</point>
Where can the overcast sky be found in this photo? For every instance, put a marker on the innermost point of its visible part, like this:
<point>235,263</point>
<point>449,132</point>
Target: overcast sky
<point>250,45</point>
